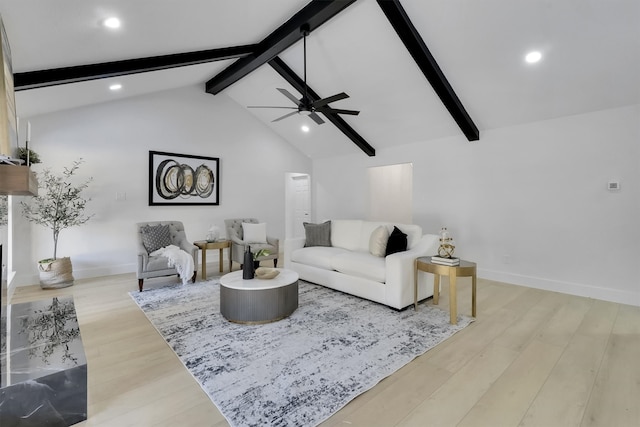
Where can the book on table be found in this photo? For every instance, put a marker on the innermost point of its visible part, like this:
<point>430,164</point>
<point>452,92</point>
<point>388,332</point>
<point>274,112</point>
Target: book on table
<point>445,261</point>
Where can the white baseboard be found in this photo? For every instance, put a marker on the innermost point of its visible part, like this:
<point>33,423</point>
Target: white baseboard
<point>579,289</point>
<point>111,270</point>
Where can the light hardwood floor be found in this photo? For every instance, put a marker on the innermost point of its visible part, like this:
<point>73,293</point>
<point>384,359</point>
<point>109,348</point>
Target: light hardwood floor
<point>532,358</point>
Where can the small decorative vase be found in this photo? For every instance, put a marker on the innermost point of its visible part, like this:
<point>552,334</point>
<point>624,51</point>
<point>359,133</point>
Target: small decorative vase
<point>446,247</point>
<point>248,269</point>
<point>213,234</point>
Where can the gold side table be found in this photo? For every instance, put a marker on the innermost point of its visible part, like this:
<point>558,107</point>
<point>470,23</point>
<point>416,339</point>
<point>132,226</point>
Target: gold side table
<point>220,245</point>
<point>465,269</point>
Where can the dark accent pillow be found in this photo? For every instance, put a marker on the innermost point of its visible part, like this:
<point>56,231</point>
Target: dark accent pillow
<point>155,237</point>
<point>397,242</point>
<point>317,234</point>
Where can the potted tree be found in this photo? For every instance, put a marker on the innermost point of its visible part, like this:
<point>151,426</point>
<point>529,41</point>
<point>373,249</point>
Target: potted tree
<point>59,204</point>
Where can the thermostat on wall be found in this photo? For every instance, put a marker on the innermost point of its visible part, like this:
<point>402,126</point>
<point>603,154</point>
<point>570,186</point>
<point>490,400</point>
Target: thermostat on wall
<point>613,185</point>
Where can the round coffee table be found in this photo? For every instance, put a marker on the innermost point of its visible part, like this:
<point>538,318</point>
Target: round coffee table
<point>257,300</point>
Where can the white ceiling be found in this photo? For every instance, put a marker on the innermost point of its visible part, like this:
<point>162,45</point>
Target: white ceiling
<point>591,60</point>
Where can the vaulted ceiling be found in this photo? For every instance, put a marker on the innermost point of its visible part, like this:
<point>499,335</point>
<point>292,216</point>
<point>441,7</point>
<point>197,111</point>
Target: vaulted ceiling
<point>590,60</point>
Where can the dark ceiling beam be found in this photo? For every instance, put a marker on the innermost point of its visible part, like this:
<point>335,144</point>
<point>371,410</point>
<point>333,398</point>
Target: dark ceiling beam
<point>294,80</point>
<point>427,63</point>
<point>314,14</point>
<point>81,73</point>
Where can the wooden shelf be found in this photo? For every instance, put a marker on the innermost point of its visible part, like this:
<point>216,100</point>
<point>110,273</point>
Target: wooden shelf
<point>18,181</point>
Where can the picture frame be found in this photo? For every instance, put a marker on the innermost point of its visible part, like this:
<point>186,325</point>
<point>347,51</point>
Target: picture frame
<point>183,179</point>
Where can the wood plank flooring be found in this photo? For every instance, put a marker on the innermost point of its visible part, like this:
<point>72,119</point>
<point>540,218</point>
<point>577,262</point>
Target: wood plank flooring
<point>532,358</point>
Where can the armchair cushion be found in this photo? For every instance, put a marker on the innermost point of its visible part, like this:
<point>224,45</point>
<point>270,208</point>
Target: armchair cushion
<point>155,237</point>
<point>254,233</point>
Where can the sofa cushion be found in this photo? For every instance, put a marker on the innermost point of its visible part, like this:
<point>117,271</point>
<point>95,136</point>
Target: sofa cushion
<point>397,242</point>
<point>317,234</point>
<point>345,233</point>
<point>360,264</point>
<point>378,241</point>
<point>316,256</point>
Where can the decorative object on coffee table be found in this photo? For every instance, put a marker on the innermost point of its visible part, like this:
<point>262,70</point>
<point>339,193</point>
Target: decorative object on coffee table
<point>248,269</point>
<point>266,273</point>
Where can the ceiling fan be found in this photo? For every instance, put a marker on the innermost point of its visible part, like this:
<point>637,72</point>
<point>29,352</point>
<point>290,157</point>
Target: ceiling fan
<point>304,105</point>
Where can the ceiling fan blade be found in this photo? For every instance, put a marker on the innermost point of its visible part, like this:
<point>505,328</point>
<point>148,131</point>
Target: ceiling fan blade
<point>324,101</point>
<point>289,95</point>
<point>338,111</point>
<point>285,116</point>
<point>316,118</point>
<point>271,106</point>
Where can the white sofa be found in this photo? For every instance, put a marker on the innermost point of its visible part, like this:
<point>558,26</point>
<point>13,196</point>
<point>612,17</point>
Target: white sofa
<point>349,266</point>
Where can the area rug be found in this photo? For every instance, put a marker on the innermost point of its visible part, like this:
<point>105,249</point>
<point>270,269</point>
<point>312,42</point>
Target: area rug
<point>297,371</point>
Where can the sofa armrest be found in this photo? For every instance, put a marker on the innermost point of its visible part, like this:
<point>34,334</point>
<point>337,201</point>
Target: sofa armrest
<point>291,245</point>
<point>400,268</point>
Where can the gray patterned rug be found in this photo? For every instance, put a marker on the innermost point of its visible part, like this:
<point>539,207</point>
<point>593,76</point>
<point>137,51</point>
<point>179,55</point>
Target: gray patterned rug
<point>300,370</point>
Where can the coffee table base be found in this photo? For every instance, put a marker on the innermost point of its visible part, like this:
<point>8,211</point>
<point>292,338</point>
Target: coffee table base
<point>258,306</point>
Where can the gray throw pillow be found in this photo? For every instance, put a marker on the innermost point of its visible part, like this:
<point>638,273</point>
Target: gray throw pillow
<point>317,234</point>
<point>155,237</point>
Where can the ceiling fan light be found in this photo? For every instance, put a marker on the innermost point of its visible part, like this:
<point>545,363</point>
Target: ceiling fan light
<point>533,57</point>
<point>305,112</point>
<point>112,22</point>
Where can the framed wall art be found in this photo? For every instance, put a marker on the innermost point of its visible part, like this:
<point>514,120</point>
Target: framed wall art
<point>182,179</point>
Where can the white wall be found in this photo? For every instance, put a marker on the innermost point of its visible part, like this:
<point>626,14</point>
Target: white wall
<point>528,203</point>
<point>114,139</point>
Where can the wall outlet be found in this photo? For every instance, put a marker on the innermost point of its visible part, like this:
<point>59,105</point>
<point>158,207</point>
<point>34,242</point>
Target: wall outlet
<point>613,185</point>
<point>506,259</point>
<point>121,196</point>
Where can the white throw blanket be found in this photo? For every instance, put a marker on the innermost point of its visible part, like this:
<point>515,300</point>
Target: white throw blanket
<point>181,260</point>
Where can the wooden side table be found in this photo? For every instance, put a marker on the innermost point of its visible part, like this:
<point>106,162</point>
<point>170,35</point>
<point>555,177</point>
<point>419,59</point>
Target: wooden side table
<point>465,269</point>
<point>220,245</point>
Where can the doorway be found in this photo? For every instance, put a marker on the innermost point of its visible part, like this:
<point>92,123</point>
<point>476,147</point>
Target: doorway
<point>297,204</point>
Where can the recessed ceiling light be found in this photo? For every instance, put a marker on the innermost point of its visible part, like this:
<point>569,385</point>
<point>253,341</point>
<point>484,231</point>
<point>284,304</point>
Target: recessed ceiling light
<point>115,86</point>
<point>533,57</point>
<point>112,22</point>
<point>305,128</point>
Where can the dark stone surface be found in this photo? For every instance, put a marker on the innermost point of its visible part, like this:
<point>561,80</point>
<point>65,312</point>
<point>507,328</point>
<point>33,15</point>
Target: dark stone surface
<point>44,368</point>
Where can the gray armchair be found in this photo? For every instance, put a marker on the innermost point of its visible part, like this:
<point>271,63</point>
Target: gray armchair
<point>156,266</point>
<point>238,245</point>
